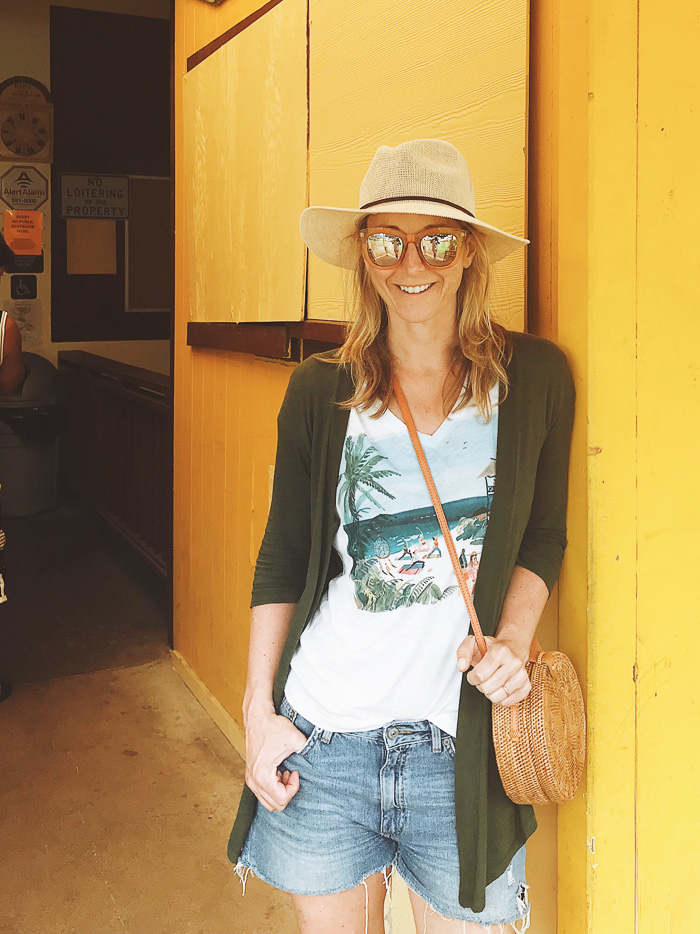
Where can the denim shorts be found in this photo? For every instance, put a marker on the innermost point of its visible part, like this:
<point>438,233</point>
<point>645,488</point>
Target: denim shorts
<point>366,801</point>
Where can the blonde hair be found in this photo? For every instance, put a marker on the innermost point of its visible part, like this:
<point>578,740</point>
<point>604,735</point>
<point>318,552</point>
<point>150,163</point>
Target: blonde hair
<point>480,357</point>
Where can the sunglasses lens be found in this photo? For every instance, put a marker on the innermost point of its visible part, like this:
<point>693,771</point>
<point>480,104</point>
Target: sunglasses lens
<point>384,249</point>
<point>439,249</point>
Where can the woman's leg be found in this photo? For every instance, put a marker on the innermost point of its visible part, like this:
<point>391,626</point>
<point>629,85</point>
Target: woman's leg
<point>428,858</point>
<point>429,921</point>
<point>356,911</point>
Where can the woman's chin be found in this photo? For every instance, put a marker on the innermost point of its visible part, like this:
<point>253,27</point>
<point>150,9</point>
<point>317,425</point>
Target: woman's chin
<point>420,312</point>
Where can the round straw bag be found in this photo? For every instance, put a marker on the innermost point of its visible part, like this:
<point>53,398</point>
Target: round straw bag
<point>540,743</point>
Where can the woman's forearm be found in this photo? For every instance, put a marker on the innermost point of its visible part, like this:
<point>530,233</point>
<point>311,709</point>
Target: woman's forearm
<point>523,604</point>
<point>269,626</point>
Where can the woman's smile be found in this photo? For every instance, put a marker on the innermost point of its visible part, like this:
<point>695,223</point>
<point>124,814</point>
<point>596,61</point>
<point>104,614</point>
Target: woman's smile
<point>414,289</point>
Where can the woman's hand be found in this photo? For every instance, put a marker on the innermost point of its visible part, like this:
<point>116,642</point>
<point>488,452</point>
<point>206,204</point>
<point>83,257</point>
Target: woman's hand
<point>269,739</point>
<point>503,664</point>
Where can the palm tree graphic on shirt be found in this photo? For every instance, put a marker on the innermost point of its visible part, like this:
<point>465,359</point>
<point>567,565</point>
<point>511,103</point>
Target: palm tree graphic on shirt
<point>378,585</point>
<point>360,479</point>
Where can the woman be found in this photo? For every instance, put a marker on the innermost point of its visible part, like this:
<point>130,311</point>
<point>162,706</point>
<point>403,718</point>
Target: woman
<point>368,739</point>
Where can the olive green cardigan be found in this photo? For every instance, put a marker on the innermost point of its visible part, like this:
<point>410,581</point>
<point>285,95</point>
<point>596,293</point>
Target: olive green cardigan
<point>527,526</point>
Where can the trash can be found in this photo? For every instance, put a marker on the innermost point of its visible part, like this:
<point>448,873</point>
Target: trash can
<point>29,440</point>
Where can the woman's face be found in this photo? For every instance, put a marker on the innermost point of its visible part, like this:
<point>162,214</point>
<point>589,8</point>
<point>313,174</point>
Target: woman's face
<point>440,299</point>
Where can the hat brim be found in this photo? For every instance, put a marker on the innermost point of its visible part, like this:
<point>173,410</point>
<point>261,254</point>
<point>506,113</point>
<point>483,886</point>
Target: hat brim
<point>328,232</point>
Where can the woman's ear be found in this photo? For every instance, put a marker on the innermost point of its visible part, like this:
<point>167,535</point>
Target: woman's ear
<point>469,250</point>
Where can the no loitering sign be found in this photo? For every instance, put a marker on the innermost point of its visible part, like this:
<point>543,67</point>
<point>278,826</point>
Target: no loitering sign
<point>98,197</point>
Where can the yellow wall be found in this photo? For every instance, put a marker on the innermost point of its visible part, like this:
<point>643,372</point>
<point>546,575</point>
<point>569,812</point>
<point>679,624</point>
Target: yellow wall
<point>245,117</point>
<point>225,407</point>
<point>613,196</point>
<point>668,452</point>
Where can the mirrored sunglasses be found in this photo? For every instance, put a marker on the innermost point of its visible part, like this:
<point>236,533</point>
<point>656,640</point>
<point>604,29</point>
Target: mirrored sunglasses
<point>386,246</point>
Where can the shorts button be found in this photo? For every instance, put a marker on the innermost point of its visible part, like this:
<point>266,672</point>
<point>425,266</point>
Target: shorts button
<point>392,733</point>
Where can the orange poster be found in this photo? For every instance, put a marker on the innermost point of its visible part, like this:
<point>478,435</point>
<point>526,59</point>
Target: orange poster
<point>23,232</point>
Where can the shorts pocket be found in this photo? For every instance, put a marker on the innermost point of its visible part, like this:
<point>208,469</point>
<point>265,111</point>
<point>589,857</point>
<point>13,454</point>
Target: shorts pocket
<point>311,732</point>
<point>291,762</point>
<point>311,740</point>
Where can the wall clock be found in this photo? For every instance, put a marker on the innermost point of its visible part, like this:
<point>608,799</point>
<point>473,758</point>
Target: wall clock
<point>26,121</point>
<point>25,134</point>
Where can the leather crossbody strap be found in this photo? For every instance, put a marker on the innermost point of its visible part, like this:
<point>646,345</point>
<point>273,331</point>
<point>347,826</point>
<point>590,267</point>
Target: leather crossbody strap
<point>440,513</point>
<point>535,647</point>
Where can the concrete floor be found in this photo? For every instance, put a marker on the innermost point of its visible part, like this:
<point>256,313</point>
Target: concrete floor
<point>117,790</point>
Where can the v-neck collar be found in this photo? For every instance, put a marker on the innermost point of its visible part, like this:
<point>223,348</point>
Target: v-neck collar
<point>450,416</point>
<point>423,434</point>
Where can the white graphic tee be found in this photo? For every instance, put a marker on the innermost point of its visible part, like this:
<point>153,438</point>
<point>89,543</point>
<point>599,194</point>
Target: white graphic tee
<point>382,645</point>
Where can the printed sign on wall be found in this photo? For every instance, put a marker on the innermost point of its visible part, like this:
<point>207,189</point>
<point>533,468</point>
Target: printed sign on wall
<point>23,232</point>
<point>27,315</point>
<point>95,196</point>
<point>26,263</point>
<point>23,288</point>
<point>24,188</point>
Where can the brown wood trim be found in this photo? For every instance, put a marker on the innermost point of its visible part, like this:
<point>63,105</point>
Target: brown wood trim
<point>328,332</point>
<point>197,57</point>
<point>265,340</point>
<point>281,340</point>
<point>127,374</point>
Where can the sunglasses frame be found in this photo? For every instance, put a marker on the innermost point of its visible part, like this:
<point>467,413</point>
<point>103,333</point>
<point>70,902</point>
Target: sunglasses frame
<point>405,238</point>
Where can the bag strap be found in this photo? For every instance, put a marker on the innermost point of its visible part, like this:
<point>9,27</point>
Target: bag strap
<point>535,648</point>
<point>440,513</point>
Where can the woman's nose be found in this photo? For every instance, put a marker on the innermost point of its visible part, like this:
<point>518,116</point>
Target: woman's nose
<point>413,258</point>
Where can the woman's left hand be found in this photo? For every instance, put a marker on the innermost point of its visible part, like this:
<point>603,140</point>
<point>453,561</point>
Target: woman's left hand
<point>502,665</point>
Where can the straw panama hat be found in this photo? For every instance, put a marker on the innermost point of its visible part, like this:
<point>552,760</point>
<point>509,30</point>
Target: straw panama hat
<point>421,176</point>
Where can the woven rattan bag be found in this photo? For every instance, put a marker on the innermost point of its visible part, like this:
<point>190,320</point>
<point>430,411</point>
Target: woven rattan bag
<point>540,743</point>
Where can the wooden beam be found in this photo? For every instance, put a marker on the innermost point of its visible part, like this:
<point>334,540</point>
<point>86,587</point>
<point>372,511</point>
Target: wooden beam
<point>265,340</point>
<point>274,339</point>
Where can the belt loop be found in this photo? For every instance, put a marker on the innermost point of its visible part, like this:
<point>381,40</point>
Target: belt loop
<point>436,736</point>
<point>291,712</point>
<point>326,736</point>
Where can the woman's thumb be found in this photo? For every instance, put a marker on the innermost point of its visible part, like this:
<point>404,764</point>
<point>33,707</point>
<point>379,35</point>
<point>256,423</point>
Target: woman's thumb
<point>465,653</point>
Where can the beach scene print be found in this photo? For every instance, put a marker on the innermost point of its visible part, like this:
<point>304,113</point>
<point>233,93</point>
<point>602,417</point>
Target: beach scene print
<point>400,558</point>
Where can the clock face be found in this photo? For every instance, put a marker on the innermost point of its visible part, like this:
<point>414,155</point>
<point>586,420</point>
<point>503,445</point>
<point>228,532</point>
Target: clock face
<point>24,134</point>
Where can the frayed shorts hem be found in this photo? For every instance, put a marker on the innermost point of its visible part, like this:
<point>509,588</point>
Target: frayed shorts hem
<point>418,889</point>
<point>242,869</point>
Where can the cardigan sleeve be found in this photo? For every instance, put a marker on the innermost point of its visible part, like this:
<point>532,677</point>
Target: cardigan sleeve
<point>283,559</point>
<point>543,543</point>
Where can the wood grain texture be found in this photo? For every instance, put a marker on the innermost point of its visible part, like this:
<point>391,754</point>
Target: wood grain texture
<point>245,116</point>
<point>197,57</point>
<point>452,71</point>
<point>204,23</point>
